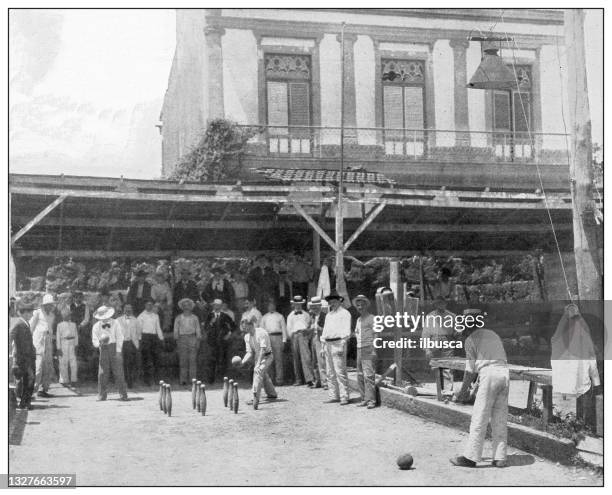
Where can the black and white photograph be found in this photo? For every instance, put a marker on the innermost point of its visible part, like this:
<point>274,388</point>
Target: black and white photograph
<point>303,246</point>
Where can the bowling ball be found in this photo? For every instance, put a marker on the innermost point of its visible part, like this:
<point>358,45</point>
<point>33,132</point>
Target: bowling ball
<point>236,361</point>
<point>405,461</point>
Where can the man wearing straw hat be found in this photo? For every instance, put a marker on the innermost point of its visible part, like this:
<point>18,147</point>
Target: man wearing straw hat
<point>107,336</point>
<point>336,332</point>
<point>364,331</point>
<point>298,324</point>
<point>187,334</point>
<point>42,324</point>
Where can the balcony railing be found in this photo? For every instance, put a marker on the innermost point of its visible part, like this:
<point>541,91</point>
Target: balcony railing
<point>409,144</point>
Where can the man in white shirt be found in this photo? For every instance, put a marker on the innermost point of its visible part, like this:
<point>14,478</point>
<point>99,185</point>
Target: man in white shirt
<point>486,359</point>
<point>259,349</point>
<point>251,310</point>
<point>131,331</point>
<point>152,336</point>
<point>274,323</point>
<point>336,332</point>
<point>298,325</point>
<point>106,336</point>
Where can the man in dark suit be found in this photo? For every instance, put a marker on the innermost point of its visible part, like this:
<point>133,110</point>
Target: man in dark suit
<point>219,288</point>
<point>139,292</point>
<point>218,327</point>
<point>24,354</point>
<point>184,288</point>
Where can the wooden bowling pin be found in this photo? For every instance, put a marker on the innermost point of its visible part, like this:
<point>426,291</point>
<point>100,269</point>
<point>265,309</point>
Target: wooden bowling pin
<point>198,394</point>
<point>168,400</point>
<point>225,390</point>
<point>193,393</point>
<point>236,400</point>
<point>203,399</point>
<point>231,395</point>
<point>162,393</point>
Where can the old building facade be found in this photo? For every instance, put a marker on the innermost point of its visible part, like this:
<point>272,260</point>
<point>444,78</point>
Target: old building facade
<point>408,113</point>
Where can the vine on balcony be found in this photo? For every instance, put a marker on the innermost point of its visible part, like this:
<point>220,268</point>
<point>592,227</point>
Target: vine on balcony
<point>218,154</point>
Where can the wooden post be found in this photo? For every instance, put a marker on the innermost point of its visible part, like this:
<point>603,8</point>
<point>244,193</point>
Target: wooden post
<point>316,250</point>
<point>395,282</point>
<point>588,269</point>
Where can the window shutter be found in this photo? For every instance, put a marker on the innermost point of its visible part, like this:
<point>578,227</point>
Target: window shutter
<point>501,111</point>
<point>299,107</point>
<point>522,112</point>
<point>393,108</point>
<point>277,105</point>
<point>413,100</point>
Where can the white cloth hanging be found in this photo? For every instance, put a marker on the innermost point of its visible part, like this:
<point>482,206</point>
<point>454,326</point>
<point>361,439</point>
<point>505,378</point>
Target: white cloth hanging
<point>323,286</point>
<point>573,359</point>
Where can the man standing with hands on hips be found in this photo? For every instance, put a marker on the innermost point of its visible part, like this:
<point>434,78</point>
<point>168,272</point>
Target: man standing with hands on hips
<point>336,332</point>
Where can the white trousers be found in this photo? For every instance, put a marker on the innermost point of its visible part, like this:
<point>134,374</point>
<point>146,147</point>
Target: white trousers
<point>335,363</point>
<point>68,362</point>
<point>491,405</point>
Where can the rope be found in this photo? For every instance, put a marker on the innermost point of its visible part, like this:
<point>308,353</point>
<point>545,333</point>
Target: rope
<point>544,195</point>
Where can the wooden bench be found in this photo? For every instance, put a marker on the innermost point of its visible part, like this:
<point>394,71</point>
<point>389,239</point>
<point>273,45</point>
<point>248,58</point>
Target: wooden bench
<point>535,376</point>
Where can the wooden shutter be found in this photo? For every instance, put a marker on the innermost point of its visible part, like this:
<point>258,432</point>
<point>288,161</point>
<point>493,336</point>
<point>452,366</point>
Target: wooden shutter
<point>522,112</point>
<point>413,107</point>
<point>278,109</point>
<point>501,111</point>
<point>299,107</point>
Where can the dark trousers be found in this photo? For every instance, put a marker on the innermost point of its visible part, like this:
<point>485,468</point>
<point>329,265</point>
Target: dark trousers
<point>149,350</point>
<point>110,361</point>
<point>130,362</point>
<point>216,362</point>
<point>24,385</point>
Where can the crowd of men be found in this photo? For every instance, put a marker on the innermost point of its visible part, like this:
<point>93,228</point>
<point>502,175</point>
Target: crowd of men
<point>227,322</point>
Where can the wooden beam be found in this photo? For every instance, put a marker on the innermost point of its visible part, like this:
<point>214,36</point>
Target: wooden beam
<point>364,225</point>
<point>148,223</point>
<point>56,202</point>
<point>401,197</point>
<point>312,222</point>
<point>144,253</point>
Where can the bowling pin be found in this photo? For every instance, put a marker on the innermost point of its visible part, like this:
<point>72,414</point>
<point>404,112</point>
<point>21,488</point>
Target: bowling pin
<point>198,394</point>
<point>225,390</point>
<point>193,393</point>
<point>236,400</point>
<point>168,400</point>
<point>231,395</point>
<point>203,400</point>
<point>161,395</point>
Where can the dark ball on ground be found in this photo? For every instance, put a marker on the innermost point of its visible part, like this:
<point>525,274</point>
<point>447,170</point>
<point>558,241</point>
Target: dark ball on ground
<point>405,461</point>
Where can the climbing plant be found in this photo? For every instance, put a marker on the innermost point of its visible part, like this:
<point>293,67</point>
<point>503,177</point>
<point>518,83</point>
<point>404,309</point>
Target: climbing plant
<point>218,154</point>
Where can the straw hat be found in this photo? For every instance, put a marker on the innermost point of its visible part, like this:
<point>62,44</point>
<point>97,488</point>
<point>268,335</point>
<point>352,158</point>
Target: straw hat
<point>186,303</point>
<point>104,313</point>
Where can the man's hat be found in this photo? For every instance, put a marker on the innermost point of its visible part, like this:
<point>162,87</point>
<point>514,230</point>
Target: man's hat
<point>104,313</point>
<point>48,299</point>
<point>334,296</point>
<point>218,301</point>
<point>25,303</point>
<point>77,293</point>
<point>472,311</point>
<point>186,303</point>
<point>361,297</point>
<point>315,302</point>
<point>217,269</point>
<point>141,272</point>
<point>297,300</point>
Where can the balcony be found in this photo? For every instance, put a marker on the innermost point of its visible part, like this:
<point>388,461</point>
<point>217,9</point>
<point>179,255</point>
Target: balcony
<point>420,156</point>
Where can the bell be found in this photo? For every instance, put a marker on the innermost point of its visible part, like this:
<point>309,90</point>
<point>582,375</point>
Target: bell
<point>492,73</point>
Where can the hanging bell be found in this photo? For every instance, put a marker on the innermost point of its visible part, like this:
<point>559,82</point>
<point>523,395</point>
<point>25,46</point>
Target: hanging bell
<point>492,73</point>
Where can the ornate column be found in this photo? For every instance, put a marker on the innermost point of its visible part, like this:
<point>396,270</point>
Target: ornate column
<point>350,105</point>
<point>462,123</point>
<point>214,70</point>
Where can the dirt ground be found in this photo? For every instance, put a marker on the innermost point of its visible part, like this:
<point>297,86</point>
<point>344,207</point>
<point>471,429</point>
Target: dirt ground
<point>296,440</point>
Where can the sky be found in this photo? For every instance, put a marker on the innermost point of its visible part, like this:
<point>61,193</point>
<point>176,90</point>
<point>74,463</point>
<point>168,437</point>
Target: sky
<point>86,89</point>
